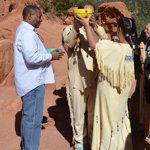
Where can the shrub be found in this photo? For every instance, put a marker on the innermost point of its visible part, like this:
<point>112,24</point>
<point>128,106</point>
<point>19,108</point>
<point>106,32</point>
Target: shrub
<point>45,4</point>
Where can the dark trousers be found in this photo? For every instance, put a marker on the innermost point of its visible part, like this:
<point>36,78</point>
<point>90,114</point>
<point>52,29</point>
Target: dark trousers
<point>147,90</point>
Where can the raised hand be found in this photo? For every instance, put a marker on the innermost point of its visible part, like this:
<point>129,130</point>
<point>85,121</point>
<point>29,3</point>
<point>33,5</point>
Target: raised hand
<point>76,24</point>
<point>83,21</point>
<point>92,21</point>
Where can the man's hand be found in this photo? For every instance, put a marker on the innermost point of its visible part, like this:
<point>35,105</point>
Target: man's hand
<point>56,55</point>
<point>83,21</point>
<point>76,24</point>
<point>92,21</point>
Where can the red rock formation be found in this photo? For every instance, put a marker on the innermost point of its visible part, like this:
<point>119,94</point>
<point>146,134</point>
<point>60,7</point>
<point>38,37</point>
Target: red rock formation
<point>8,7</point>
<point>10,18</point>
<point>6,58</point>
<point>9,10</point>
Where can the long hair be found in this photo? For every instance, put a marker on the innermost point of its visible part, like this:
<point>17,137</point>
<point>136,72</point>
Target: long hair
<point>129,29</point>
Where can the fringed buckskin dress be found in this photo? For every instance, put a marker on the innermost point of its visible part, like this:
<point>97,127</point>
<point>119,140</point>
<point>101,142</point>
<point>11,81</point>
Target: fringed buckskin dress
<point>111,129</point>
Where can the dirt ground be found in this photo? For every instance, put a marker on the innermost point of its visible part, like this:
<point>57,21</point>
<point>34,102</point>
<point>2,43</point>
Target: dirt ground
<point>56,133</point>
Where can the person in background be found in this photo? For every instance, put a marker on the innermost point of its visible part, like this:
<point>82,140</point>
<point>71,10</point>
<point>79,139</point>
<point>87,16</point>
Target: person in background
<point>32,70</point>
<point>82,78</point>
<point>68,21</point>
<point>111,129</point>
<point>70,17</point>
<point>142,45</point>
<point>146,61</point>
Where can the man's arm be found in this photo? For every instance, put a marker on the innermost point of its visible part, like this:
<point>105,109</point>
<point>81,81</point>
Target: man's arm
<point>30,51</point>
<point>70,36</point>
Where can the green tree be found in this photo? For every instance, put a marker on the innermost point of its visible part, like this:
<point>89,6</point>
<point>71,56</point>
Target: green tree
<point>139,8</point>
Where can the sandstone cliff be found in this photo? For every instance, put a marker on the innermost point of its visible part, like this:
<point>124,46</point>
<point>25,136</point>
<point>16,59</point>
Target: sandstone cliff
<point>10,18</point>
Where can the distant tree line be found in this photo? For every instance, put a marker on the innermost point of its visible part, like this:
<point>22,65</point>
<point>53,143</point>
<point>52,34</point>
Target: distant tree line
<point>139,8</point>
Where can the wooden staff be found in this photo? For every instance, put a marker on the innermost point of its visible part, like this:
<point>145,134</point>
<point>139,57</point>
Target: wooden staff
<point>141,101</point>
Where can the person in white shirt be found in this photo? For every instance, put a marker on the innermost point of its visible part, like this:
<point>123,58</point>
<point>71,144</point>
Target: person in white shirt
<point>32,70</point>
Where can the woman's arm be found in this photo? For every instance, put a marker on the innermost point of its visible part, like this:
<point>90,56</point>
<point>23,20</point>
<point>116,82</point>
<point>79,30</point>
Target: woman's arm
<point>91,35</point>
<point>133,88</point>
